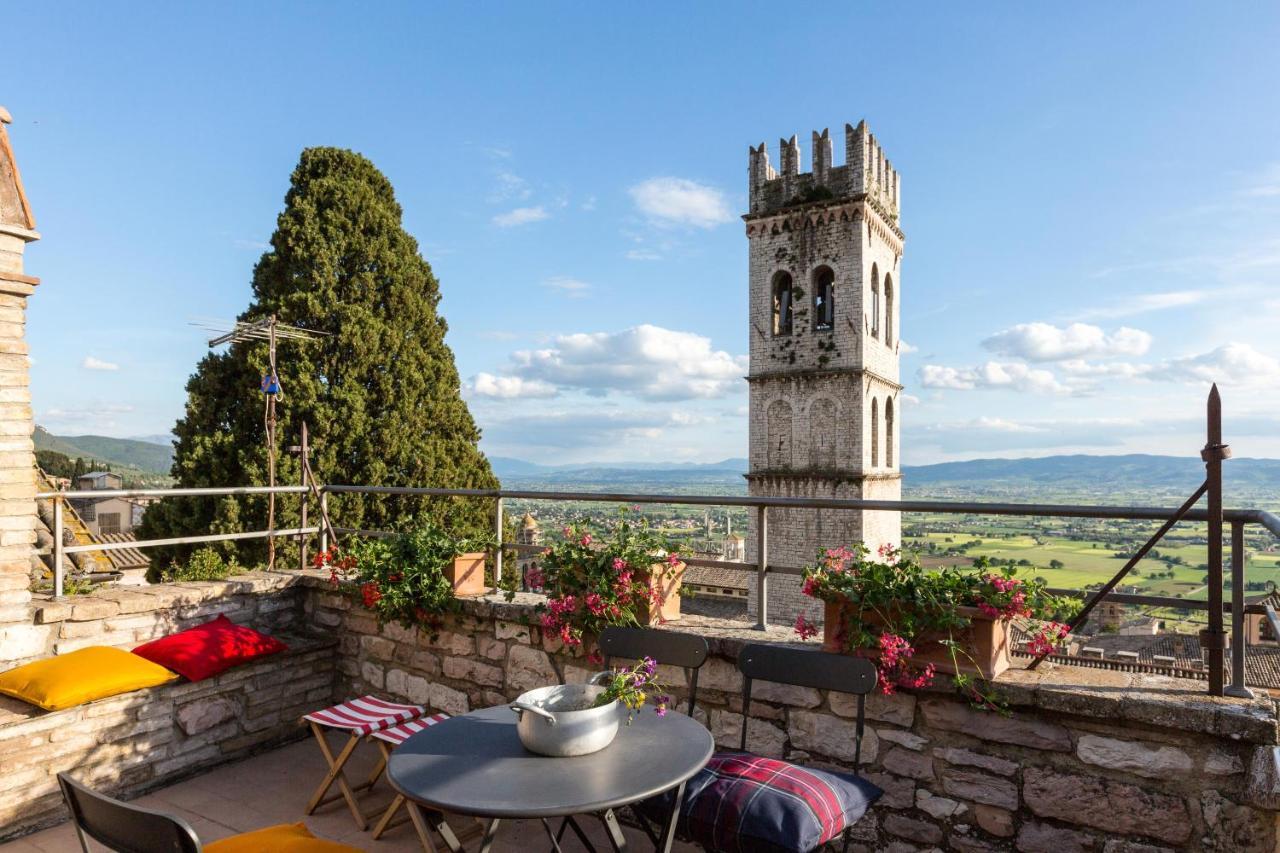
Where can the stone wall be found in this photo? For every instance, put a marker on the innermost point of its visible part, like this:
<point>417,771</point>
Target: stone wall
<point>17,453</point>
<point>1128,764</point>
<point>131,743</point>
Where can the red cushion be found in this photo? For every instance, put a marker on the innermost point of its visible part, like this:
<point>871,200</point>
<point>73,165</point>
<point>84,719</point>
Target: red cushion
<point>206,650</point>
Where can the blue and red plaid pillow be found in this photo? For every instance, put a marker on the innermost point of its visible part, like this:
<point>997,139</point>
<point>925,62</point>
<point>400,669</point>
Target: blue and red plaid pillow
<point>748,804</point>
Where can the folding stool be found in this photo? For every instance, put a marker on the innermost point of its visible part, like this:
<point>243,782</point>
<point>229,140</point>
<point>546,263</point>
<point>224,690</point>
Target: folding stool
<point>388,740</point>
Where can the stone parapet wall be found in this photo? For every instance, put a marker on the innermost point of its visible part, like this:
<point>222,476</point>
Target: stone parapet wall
<point>129,616</point>
<point>128,744</point>
<point>1128,763</point>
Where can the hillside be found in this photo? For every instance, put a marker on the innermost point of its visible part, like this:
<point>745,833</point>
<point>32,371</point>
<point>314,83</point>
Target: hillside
<point>122,453</point>
<point>1091,478</point>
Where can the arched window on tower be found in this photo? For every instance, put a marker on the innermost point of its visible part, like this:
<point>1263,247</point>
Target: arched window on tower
<point>875,433</point>
<point>824,300</point>
<point>875,301</point>
<point>888,432</point>
<point>782,304</point>
<point>888,315</point>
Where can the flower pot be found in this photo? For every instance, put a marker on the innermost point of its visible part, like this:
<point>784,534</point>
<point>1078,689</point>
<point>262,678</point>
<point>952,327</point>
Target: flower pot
<point>466,574</point>
<point>984,642</point>
<point>666,580</point>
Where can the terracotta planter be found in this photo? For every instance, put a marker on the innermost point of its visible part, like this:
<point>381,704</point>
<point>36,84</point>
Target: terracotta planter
<point>667,580</point>
<point>984,643</point>
<point>466,574</point>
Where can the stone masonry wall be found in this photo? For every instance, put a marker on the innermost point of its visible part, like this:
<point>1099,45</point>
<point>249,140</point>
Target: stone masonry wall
<point>17,452</point>
<point>132,743</point>
<point>1113,768</point>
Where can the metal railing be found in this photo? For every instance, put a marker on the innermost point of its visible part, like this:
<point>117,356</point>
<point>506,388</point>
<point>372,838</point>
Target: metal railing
<point>1212,639</point>
<point>762,568</point>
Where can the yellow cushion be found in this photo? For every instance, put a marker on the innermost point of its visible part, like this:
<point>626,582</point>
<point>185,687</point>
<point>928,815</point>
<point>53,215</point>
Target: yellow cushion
<point>72,679</point>
<point>285,838</point>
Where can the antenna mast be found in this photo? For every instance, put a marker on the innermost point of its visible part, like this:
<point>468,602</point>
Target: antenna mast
<point>269,329</point>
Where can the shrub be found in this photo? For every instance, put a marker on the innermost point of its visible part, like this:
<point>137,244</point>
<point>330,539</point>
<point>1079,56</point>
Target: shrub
<point>205,564</point>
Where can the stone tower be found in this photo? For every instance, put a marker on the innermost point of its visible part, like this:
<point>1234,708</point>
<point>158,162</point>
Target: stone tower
<point>825,255</point>
<point>19,638</point>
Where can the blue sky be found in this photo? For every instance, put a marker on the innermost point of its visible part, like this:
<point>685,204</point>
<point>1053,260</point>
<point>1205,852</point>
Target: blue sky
<point>1091,197</point>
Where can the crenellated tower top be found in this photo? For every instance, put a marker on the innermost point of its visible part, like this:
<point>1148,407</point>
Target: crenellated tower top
<point>866,174</point>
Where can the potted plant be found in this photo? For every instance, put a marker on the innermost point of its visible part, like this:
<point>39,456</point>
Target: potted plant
<point>916,623</point>
<point>624,575</point>
<point>412,577</point>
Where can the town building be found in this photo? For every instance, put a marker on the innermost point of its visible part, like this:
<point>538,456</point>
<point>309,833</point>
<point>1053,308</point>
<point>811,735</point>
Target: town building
<point>825,253</point>
<point>107,516</point>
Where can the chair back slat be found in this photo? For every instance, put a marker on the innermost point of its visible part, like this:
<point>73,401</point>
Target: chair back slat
<point>125,828</point>
<point>807,668</point>
<point>665,647</point>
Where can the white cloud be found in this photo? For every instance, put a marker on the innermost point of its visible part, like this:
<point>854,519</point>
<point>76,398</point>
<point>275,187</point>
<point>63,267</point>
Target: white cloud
<point>571,287</point>
<point>910,399</point>
<point>1002,435</point>
<point>520,216</point>
<point>575,429</point>
<point>589,204</point>
<point>498,335</point>
<point>510,387</point>
<point>509,186</point>
<point>1046,342</point>
<point>678,201</point>
<point>643,255</point>
<point>645,361</point>
<point>92,363</point>
<point>905,348</point>
<point>1266,184</point>
<point>993,374</point>
<point>1230,364</point>
<point>1145,303</point>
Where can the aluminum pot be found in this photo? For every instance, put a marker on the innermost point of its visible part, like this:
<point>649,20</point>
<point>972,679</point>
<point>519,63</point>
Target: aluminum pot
<point>559,721</point>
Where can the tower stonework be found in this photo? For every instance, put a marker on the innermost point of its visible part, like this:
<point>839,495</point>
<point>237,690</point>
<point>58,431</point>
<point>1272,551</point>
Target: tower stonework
<point>825,414</point>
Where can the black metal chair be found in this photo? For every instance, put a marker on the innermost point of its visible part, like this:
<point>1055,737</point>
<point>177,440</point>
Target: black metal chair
<point>808,668</point>
<point>122,827</point>
<point>126,828</point>
<point>665,647</point>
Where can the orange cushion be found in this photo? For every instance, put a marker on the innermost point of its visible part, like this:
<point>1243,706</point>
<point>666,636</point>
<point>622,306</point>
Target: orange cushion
<point>285,838</point>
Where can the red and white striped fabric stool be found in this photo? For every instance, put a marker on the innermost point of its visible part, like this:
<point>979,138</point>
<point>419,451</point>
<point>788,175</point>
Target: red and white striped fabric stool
<point>361,717</point>
<point>388,740</point>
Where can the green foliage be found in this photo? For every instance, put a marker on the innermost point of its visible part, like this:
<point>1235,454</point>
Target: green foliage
<point>380,393</point>
<point>597,578</point>
<point>401,578</point>
<point>204,564</point>
<point>891,605</point>
<point>57,464</point>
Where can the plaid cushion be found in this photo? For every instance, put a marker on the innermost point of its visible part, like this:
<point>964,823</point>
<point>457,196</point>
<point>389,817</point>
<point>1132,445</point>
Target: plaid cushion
<point>742,803</point>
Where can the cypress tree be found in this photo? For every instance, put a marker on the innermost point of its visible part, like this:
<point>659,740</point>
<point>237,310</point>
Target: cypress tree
<point>380,393</point>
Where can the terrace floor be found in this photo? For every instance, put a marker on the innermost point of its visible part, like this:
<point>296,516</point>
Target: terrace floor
<point>273,787</point>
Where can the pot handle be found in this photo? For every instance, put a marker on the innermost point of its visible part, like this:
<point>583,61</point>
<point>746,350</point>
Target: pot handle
<point>595,679</point>
<point>546,715</point>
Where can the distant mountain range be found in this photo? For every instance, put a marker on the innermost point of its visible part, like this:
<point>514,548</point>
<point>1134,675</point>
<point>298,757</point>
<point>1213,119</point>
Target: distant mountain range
<point>1050,474</point>
<point>143,455</point>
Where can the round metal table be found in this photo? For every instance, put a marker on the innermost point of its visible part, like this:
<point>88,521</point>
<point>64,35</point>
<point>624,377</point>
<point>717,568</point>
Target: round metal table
<point>475,765</point>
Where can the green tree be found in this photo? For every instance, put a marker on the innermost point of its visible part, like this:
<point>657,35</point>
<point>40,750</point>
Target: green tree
<point>380,392</point>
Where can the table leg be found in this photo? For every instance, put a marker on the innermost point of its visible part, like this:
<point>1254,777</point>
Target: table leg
<point>616,838</point>
<point>669,833</point>
<point>490,832</point>
<point>555,841</point>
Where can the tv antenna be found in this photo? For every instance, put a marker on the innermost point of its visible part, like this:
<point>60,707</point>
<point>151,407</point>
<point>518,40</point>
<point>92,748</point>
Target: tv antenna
<point>271,330</point>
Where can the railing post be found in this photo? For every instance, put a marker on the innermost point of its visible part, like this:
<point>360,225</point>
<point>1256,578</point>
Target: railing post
<point>497,549</point>
<point>324,519</point>
<point>1213,639</point>
<point>762,567</point>
<point>1237,687</point>
<point>57,546</point>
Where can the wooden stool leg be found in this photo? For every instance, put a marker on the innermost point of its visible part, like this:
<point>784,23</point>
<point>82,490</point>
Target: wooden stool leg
<point>420,824</point>
<point>385,822</point>
<point>379,767</point>
<point>335,774</point>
